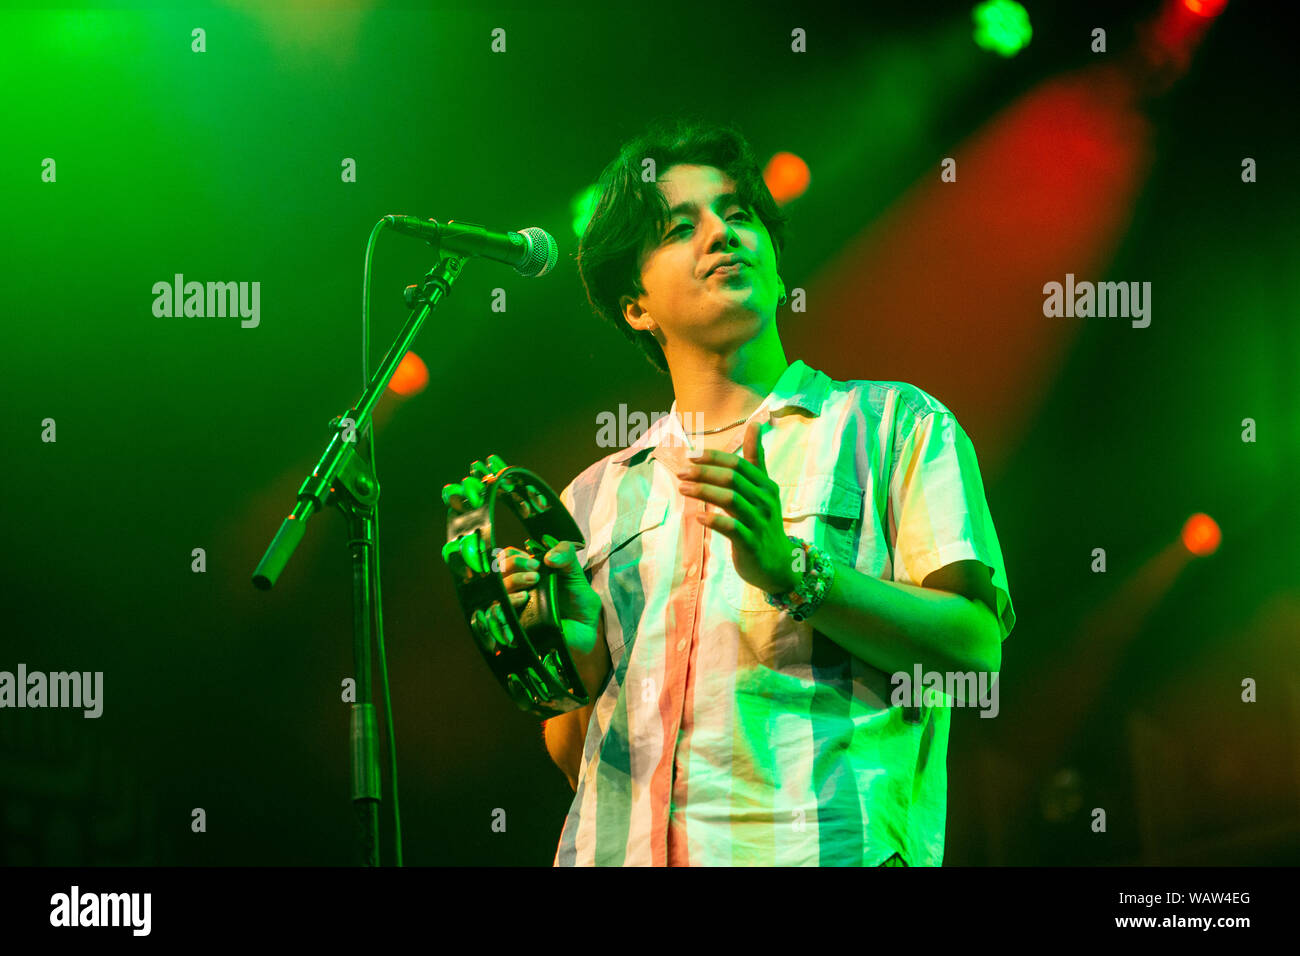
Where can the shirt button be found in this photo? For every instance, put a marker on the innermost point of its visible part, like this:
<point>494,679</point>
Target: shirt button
<point>681,644</point>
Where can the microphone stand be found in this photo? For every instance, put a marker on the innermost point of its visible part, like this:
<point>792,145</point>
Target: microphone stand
<point>343,478</point>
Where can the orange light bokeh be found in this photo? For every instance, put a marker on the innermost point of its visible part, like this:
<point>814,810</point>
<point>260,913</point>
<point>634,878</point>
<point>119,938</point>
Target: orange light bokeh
<point>787,177</point>
<point>411,376</point>
<point>1205,8</point>
<point>1201,535</point>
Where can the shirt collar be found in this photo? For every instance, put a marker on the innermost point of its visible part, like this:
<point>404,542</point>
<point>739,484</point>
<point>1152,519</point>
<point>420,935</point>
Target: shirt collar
<point>798,387</point>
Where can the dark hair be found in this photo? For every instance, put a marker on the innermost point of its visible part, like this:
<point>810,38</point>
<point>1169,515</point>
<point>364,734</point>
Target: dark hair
<point>630,212</point>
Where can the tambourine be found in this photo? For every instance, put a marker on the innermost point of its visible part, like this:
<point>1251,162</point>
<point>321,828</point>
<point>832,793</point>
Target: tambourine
<point>525,650</point>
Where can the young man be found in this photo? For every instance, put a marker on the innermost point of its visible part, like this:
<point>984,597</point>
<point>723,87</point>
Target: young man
<point>766,557</point>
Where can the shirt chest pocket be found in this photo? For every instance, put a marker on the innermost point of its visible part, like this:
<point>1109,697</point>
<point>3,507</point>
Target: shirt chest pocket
<point>825,510</point>
<point>614,568</point>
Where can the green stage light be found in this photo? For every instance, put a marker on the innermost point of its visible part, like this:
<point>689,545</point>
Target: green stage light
<point>1002,26</point>
<point>583,205</point>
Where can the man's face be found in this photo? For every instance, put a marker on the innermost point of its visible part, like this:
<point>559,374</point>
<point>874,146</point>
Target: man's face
<point>721,311</point>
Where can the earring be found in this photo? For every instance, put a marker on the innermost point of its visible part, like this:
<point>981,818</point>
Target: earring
<point>781,301</point>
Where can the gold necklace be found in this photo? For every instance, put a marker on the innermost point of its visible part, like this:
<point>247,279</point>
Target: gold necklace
<point>714,431</point>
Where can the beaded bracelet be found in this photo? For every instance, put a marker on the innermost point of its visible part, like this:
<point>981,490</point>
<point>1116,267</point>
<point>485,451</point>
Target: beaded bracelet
<point>819,574</point>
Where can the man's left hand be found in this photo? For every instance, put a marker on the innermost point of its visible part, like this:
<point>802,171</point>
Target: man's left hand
<point>751,502</point>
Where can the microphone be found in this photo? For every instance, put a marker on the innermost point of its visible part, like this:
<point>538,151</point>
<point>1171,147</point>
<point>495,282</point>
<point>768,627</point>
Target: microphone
<point>532,252</point>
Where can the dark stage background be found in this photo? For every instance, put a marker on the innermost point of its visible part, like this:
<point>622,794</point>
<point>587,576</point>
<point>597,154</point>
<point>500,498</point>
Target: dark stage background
<point>1120,690</point>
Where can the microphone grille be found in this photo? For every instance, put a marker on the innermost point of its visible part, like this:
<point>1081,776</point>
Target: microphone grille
<point>543,253</point>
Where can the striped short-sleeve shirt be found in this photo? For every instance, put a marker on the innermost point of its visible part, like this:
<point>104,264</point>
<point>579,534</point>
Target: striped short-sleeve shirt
<point>729,733</point>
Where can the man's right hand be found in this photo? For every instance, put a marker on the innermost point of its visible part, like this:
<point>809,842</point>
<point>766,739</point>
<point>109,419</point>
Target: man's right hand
<point>579,604</point>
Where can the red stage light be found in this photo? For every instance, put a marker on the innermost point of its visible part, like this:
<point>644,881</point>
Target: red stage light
<point>411,376</point>
<point>1205,8</point>
<point>1201,535</point>
<point>787,177</point>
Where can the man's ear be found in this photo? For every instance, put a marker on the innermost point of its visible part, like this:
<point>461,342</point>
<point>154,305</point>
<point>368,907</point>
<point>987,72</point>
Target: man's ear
<point>634,315</point>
